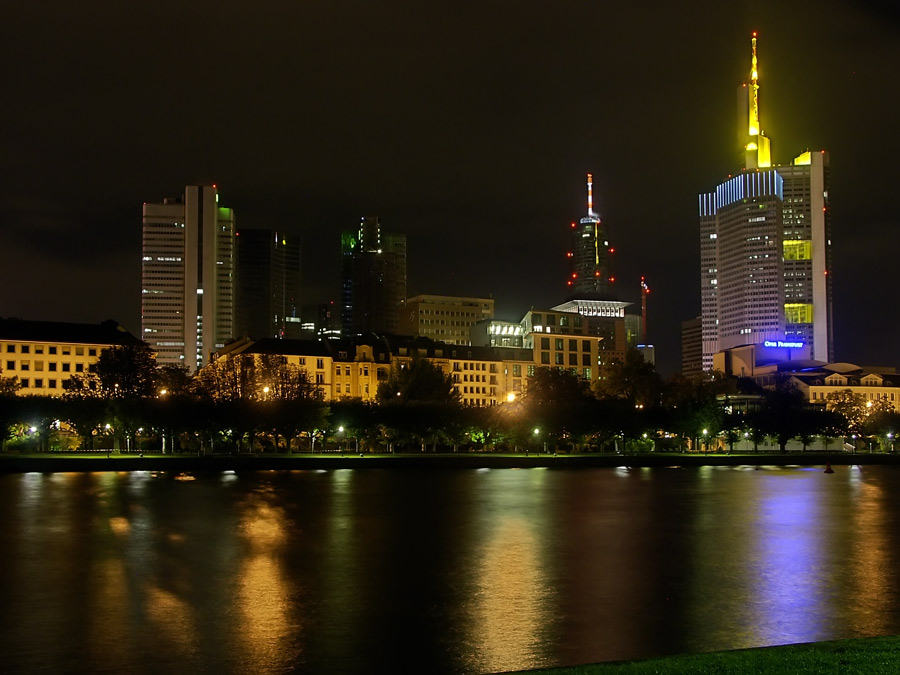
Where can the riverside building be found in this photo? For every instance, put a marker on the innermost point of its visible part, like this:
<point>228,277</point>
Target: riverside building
<point>42,355</point>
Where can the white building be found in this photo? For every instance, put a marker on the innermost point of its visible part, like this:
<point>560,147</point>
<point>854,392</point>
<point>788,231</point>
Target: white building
<point>187,275</point>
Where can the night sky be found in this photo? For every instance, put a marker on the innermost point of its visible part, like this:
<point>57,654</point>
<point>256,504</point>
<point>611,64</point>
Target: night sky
<point>468,126</point>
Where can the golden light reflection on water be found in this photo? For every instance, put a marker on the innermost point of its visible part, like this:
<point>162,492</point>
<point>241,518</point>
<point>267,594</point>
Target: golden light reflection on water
<point>873,575</point>
<point>263,590</point>
<point>508,615</point>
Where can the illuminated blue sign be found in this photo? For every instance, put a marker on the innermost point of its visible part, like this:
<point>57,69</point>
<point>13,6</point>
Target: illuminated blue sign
<point>779,343</point>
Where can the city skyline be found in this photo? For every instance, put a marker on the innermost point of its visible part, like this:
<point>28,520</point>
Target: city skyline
<point>469,129</point>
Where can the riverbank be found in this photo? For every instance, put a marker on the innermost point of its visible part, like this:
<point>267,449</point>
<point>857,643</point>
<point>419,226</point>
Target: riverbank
<point>873,656</point>
<point>45,463</point>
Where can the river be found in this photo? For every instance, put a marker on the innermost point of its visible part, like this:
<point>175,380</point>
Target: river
<point>440,571</point>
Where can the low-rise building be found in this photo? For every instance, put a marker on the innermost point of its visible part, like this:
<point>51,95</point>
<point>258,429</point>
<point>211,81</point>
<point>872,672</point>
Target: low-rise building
<point>42,355</point>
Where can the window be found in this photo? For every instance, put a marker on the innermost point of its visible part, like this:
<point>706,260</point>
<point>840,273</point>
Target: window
<point>530,371</point>
<point>39,349</point>
<point>302,360</point>
<point>347,371</point>
<point>79,367</point>
<point>545,343</point>
<point>79,351</point>
<point>51,384</point>
<point>573,345</point>
<point>25,382</point>
<point>545,358</point>
<point>585,359</point>
<point>585,345</point>
<point>26,349</point>
<point>38,383</point>
<point>51,350</point>
<point>559,344</point>
<point>39,365</point>
<point>573,359</point>
<point>365,371</point>
<point>92,351</point>
<point>347,388</point>
<point>66,367</point>
<point>51,366</point>
<point>320,378</point>
<point>551,319</point>
<point>559,358</point>
<point>537,319</point>
<point>10,365</point>
<point>10,349</point>
<point>586,373</point>
<point>66,350</point>
<point>517,370</point>
<point>320,363</point>
<point>26,365</point>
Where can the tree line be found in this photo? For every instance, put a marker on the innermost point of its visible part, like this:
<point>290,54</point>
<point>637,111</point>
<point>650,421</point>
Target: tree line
<point>260,403</point>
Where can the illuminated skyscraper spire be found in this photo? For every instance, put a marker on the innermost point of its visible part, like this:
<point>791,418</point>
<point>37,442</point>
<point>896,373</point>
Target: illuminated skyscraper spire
<point>590,183</point>
<point>757,147</point>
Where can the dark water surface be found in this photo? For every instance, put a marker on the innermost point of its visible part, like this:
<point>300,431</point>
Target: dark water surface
<point>442,571</point>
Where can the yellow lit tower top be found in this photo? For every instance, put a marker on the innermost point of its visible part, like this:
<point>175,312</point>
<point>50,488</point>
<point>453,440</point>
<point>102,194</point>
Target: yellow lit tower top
<point>756,145</point>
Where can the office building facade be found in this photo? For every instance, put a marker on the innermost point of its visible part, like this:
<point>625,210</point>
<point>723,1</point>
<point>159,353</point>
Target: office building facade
<point>187,277</point>
<point>444,318</point>
<point>765,247</point>
<point>373,279</point>
<point>267,282</point>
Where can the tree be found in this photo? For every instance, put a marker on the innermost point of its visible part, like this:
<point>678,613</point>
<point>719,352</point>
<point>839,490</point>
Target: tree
<point>782,411</point>
<point>126,371</point>
<point>229,378</point>
<point>558,403</point>
<point>173,379</point>
<point>633,379</point>
<point>851,406</point>
<point>418,381</point>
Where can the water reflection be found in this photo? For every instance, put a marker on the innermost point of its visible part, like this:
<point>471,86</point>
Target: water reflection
<point>462,571</point>
<point>508,616</point>
<point>263,591</point>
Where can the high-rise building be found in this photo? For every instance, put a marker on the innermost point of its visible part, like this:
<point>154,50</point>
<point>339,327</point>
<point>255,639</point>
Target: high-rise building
<point>590,275</point>
<point>187,275</point>
<point>373,271</point>
<point>267,276</point>
<point>692,347</point>
<point>765,247</point>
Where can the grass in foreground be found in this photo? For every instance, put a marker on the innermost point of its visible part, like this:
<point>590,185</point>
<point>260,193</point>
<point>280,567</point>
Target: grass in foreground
<point>869,656</point>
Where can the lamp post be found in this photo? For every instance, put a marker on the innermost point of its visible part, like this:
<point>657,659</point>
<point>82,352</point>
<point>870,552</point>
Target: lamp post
<point>890,437</point>
<point>705,443</point>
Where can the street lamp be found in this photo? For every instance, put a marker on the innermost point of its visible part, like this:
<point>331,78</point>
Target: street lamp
<point>705,443</point>
<point>890,437</point>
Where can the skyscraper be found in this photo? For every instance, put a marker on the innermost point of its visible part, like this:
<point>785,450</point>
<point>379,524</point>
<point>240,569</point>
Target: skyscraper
<point>267,279</point>
<point>765,246</point>
<point>187,269</point>
<point>590,271</point>
<point>373,279</point>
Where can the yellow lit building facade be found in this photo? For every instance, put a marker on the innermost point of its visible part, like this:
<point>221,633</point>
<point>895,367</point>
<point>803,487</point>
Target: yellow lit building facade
<point>42,355</point>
